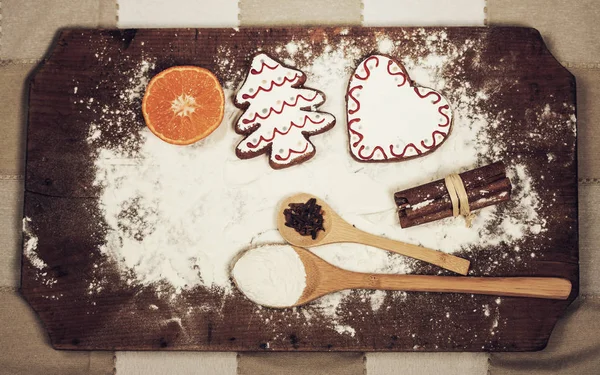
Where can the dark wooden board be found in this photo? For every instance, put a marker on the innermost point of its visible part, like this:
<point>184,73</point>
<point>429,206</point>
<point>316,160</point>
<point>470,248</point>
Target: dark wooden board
<point>62,202</point>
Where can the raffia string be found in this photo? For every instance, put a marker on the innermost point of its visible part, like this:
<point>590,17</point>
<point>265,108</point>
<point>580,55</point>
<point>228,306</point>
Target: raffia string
<point>459,198</point>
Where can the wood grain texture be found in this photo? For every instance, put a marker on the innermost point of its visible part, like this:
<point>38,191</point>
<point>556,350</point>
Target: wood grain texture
<point>323,278</point>
<point>62,201</point>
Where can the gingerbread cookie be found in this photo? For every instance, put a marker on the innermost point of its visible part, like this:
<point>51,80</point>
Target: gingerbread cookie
<point>280,114</point>
<point>389,117</point>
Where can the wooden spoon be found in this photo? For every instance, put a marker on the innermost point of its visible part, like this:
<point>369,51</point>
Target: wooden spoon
<point>338,230</point>
<point>323,278</point>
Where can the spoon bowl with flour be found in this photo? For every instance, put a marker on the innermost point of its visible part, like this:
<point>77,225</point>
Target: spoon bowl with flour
<point>282,276</point>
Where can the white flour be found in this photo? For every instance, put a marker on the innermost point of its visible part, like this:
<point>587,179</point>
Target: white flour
<point>30,245</point>
<point>178,215</point>
<point>271,275</point>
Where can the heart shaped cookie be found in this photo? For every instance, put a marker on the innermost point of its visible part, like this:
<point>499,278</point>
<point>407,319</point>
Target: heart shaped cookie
<point>389,117</point>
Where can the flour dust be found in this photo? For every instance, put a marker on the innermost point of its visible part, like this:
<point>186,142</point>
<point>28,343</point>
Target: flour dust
<point>176,216</point>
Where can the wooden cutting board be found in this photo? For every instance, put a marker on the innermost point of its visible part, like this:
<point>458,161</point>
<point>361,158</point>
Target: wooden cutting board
<point>60,270</point>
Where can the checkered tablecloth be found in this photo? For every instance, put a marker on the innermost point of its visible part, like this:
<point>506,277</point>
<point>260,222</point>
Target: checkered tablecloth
<point>27,28</point>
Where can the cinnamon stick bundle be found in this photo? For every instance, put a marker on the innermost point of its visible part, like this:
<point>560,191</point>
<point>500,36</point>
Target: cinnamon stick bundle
<point>485,186</point>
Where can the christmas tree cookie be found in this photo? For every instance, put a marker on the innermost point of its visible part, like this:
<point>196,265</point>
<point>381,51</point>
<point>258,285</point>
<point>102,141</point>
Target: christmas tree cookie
<point>280,114</point>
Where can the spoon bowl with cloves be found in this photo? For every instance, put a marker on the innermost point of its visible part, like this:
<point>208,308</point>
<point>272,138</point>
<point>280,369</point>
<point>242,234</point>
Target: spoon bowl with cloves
<point>305,220</point>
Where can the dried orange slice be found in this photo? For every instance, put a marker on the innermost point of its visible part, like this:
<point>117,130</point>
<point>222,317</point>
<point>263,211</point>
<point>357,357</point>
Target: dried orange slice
<point>183,104</point>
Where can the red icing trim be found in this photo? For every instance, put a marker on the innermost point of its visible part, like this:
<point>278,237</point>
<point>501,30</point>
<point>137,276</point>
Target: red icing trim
<point>262,67</point>
<point>445,115</point>
<point>367,70</point>
<point>439,97</point>
<point>291,152</point>
<point>308,118</point>
<point>372,153</point>
<point>276,131</point>
<point>434,140</point>
<point>262,139</point>
<point>272,110</point>
<point>360,136</point>
<point>399,73</point>
<point>273,84</point>
<point>353,111</point>
<point>405,150</point>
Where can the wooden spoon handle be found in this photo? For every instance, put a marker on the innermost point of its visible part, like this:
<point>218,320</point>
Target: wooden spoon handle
<point>537,287</point>
<point>441,259</point>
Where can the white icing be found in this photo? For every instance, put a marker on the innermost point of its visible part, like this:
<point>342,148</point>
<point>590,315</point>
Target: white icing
<point>279,114</point>
<point>389,112</point>
<point>271,275</point>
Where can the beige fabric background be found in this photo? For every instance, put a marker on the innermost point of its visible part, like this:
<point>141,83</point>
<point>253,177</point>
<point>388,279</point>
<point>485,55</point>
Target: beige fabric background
<point>305,12</point>
<point>574,347</point>
<point>12,94</point>
<point>175,363</point>
<point>22,41</point>
<point>24,347</point>
<point>303,363</point>
<point>570,29</point>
